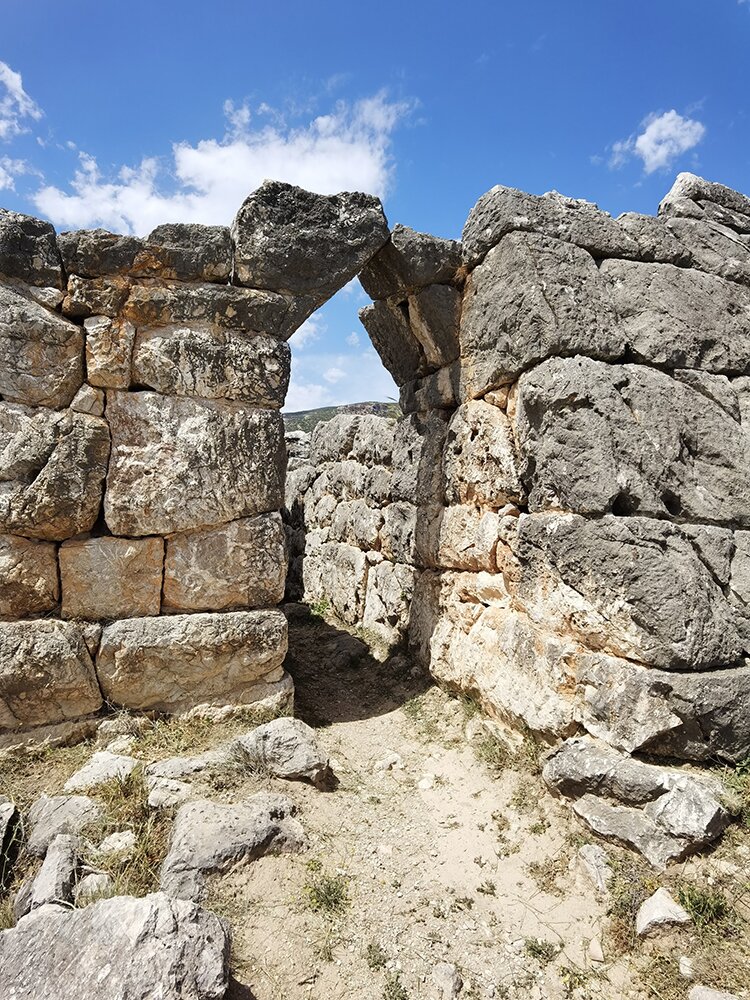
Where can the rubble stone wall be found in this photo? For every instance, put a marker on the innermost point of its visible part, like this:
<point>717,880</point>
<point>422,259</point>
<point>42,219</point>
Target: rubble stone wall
<point>578,451</point>
<point>142,459</point>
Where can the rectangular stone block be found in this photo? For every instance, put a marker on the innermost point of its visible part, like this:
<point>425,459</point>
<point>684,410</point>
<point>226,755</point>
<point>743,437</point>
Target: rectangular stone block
<point>95,296</point>
<point>46,674</point>
<point>109,349</point>
<point>28,577</point>
<point>107,578</point>
<point>52,468</point>
<point>212,363</point>
<point>237,565</point>
<point>41,354</point>
<point>178,464</point>
<point>176,662</point>
<point>534,297</point>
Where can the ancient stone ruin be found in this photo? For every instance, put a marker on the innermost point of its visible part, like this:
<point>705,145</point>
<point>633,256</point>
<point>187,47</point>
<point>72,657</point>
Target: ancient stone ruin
<point>558,528</point>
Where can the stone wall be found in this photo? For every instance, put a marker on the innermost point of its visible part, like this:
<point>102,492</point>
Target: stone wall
<point>577,399</point>
<point>142,459</point>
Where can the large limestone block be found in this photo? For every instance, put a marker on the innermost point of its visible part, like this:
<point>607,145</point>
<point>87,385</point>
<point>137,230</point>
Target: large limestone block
<point>467,538</point>
<point>109,350</point>
<point>172,664</point>
<point>356,523</point>
<point>387,324</point>
<point>41,354</point>
<point>533,297</point>
<point>117,949</point>
<point>631,587</point>
<point>656,243</point>
<point>28,250</point>
<point>434,317</point>
<point>408,261</point>
<point>46,674</point>
<point>52,469</point>
<point>28,577</point>
<point>479,459</point>
<point>679,317</point>
<point>363,437</point>
<point>439,390</point>
<point>187,252</point>
<point>179,464</point>
<point>693,197</point>
<point>504,210</point>
<point>418,459</point>
<point>595,437</point>
<point>714,248</point>
<point>475,643</point>
<point>237,565</point>
<point>95,296</point>
<point>337,574</point>
<point>292,240</point>
<point>698,716</point>
<point>164,303</point>
<point>212,363</point>
<point>93,253</point>
<point>388,599</point>
<point>107,578</point>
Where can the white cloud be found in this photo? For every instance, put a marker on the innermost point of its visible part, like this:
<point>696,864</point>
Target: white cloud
<point>347,149</point>
<point>364,379</point>
<point>310,330</point>
<point>353,339</point>
<point>334,375</point>
<point>15,104</point>
<point>663,138</point>
<point>9,170</point>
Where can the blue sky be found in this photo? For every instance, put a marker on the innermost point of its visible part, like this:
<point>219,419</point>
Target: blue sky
<point>128,115</point>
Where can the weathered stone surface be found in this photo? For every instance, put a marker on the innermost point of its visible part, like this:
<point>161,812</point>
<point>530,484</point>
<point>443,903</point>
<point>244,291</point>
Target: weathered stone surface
<point>387,325</point>
<point>95,885</point>
<point>209,837</point>
<point>107,578</point>
<point>187,252</point>
<point>41,354</point>
<point>630,439</point>
<point>28,577</point>
<point>714,248</point>
<point>388,599</point>
<point>172,664</point>
<point>28,249</point>
<point>182,463</point>
<point>629,827</point>
<point>695,197</point>
<point>479,459</point>
<point>213,363</point>
<point>109,349</point>
<point>53,815</point>
<point>704,993</point>
<point>46,674</point>
<point>103,766</point>
<point>88,400</point>
<point>418,459</point>
<point>238,565</point>
<point>680,318</point>
<point>292,240</point>
<point>504,210</point>
<point>466,539</point>
<point>631,587</point>
<point>95,296</point>
<point>363,437</point>
<point>57,877</point>
<point>60,734</point>
<point>222,306</point>
<point>439,390</point>
<point>408,261</point>
<point>52,468</point>
<point>434,317</point>
<point>93,253</point>
<point>659,912</point>
<point>286,748</point>
<point>656,243</point>
<point>337,573</point>
<point>122,949</point>
<point>532,298</point>
<point>697,716</point>
<point>464,626</point>
<point>356,523</point>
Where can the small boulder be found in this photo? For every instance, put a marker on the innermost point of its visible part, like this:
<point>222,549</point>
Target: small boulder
<point>95,885</point>
<point>448,980</point>
<point>704,993</point>
<point>660,912</point>
<point>103,766</point>
<point>57,876</point>
<point>286,748</point>
<point>51,815</point>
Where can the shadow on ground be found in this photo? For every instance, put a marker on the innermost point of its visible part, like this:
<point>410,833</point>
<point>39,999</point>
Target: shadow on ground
<point>336,677</point>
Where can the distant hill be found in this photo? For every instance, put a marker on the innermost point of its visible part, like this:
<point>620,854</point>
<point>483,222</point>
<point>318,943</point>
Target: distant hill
<point>305,420</point>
